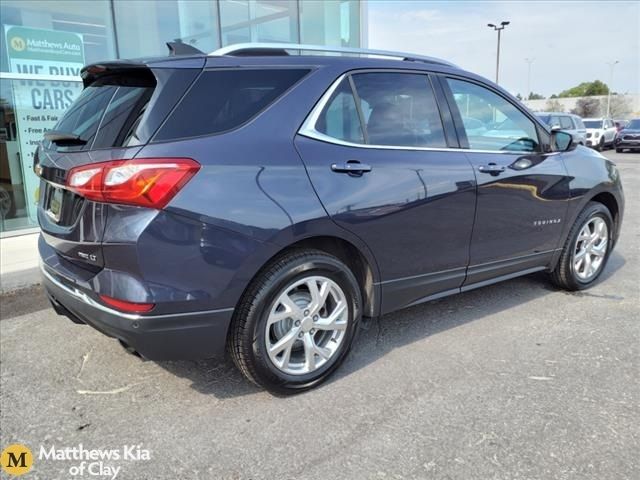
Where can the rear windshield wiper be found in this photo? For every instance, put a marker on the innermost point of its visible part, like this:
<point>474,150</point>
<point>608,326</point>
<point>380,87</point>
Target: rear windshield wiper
<point>64,138</point>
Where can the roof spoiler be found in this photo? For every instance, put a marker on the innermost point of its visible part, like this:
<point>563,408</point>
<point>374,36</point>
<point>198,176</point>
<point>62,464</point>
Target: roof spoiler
<point>180,48</point>
<point>137,72</point>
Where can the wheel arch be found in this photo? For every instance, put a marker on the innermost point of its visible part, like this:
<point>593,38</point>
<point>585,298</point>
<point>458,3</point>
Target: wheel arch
<point>362,265</point>
<point>359,260</point>
<point>599,194</point>
<point>609,200</point>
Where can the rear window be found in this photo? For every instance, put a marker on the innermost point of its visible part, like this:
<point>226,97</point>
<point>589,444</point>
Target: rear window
<point>106,113</point>
<point>565,123</point>
<point>222,100</point>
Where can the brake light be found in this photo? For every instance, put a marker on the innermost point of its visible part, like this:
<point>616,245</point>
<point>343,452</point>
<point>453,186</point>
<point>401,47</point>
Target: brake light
<point>125,306</point>
<point>144,182</point>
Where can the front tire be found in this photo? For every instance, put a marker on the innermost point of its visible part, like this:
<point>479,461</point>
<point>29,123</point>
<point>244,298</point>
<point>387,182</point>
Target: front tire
<point>296,322</point>
<point>600,146</point>
<point>586,250</point>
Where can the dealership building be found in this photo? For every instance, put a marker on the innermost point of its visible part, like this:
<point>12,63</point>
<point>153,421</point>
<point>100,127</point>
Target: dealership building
<point>45,44</point>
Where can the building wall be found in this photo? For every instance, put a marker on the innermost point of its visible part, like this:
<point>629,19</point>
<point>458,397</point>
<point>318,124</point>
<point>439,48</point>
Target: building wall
<point>44,43</point>
<point>569,103</point>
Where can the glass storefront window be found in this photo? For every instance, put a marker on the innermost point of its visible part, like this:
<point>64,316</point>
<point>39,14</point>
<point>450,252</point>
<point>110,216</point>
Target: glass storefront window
<point>259,21</point>
<point>45,43</point>
<point>335,23</point>
<point>143,27</point>
<point>28,108</point>
<point>91,20</point>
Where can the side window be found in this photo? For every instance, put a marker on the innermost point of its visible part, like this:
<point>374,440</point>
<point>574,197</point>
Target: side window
<point>554,121</point>
<point>499,124</point>
<point>579,124</point>
<point>340,117</point>
<point>224,99</point>
<point>565,123</point>
<point>399,109</point>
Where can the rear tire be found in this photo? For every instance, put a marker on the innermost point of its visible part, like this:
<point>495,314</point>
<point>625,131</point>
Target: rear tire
<point>619,150</point>
<point>586,250</point>
<point>296,321</point>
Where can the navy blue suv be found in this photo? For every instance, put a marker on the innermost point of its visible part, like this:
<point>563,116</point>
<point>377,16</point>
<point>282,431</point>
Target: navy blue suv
<point>262,200</point>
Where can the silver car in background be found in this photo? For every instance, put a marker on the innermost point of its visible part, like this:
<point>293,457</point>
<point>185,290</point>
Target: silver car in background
<point>567,122</point>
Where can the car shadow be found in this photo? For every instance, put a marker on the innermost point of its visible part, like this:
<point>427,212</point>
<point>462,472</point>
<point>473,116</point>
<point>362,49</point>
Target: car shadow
<point>376,338</point>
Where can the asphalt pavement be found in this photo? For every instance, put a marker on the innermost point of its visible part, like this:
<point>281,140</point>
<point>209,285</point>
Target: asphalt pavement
<point>514,381</point>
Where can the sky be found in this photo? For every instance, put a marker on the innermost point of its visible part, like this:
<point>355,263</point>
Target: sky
<point>569,41</point>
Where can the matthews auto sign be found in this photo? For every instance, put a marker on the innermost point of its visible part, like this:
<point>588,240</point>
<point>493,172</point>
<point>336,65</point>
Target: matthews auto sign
<point>44,52</point>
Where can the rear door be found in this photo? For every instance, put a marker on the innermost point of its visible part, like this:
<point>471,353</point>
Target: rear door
<point>522,192</point>
<point>609,130</point>
<point>378,152</point>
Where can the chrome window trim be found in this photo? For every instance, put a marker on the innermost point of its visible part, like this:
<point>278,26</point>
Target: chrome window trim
<point>308,130</point>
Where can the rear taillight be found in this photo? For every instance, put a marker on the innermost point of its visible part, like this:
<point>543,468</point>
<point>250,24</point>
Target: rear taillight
<point>144,182</point>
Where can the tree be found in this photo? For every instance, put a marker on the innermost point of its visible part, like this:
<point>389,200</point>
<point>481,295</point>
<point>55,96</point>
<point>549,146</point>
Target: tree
<point>535,96</point>
<point>587,107</point>
<point>519,97</point>
<point>554,105</point>
<point>586,89</point>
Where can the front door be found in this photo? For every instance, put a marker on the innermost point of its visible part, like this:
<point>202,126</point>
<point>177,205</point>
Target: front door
<point>378,156</point>
<point>522,193</point>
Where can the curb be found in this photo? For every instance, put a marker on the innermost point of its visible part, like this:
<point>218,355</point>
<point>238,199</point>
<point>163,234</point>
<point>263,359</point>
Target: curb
<point>19,280</point>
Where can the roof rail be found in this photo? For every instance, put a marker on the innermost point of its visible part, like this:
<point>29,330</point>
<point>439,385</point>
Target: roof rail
<point>246,49</point>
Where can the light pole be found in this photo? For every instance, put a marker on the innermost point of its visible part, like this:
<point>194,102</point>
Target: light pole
<point>529,62</point>
<point>499,30</point>
<point>611,66</point>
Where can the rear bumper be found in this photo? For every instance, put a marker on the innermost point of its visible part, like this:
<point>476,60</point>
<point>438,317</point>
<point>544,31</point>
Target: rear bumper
<point>176,336</point>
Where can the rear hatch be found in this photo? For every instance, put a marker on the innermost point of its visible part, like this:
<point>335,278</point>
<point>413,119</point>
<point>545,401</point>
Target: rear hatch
<point>122,105</point>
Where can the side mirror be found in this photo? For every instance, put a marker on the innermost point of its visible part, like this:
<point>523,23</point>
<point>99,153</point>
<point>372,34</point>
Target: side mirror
<point>555,128</point>
<point>562,141</point>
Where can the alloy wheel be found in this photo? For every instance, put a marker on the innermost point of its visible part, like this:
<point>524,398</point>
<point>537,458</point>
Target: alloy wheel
<point>590,249</point>
<point>307,323</point>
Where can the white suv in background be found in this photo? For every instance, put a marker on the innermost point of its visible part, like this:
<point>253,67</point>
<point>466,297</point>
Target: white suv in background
<point>601,132</point>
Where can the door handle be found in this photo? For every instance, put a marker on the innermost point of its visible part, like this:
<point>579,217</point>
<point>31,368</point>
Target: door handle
<point>492,169</point>
<point>352,167</point>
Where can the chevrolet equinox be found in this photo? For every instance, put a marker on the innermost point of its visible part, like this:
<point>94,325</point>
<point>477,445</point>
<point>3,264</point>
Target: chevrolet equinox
<point>263,199</point>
